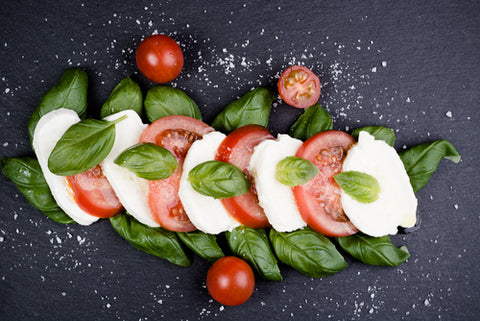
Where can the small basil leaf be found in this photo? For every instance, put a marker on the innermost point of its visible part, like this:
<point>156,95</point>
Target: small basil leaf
<point>218,179</point>
<point>308,252</point>
<point>126,95</point>
<point>293,171</point>
<point>148,161</point>
<point>155,241</point>
<point>253,108</point>
<point>163,101</point>
<point>379,132</point>
<point>26,174</point>
<point>253,246</point>
<point>83,146</point>
<point>422,160</point>
<point>203,244</point>
<point>314,120</point>
<point>373,250</point>
<point>70,92</point>
<point>360,186</point>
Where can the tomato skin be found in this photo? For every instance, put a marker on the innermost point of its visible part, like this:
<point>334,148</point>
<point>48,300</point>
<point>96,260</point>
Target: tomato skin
<point>237,148</point>
<point>159,58</point>
<point>318,200</point>
<point>230,281</point>
<point>299,87</point>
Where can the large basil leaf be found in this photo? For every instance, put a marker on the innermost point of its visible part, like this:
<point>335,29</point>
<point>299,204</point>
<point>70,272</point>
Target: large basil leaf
<point>126,95</point>
<point>308,252</point>
<point>253,246</point>
<point>314,120</point>
<point>163,101</point>
<point>360,186</point>
<point>203,244</point>
<point>373,250</point>
<point>26,174</point>
<point>422,160</point>
<point>379,132</point>
<point>293,171</point>
<point>253,108</point>
<point>155,241</point>
<point>70,92</point>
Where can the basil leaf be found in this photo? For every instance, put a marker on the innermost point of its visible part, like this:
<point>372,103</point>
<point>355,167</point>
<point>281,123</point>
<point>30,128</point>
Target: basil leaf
<point>70,92</point>
<point>203,244</point>
<point>126,95</point>
<point>253,108</point>
<point>152,240</point>
<point>308,252</point>
<point>148,161</point>
<point>373,250</point>
<point>218,179</point>
<point>253,246</point>
<point>360,186</point>
<point>314,120</point>
<point>26,174</point>
<point>379,132</point>
<point>83,146</point>
<point>163,101</point>
<point>422,160</point>
<point>293,171</point>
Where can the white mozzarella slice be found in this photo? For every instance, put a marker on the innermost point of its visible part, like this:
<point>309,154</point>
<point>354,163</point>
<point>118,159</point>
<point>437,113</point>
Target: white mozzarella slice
<point>276,198</point>
<point>206,213</point>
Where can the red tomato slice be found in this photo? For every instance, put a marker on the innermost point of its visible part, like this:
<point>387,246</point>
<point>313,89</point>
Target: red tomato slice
<point>237,148</point>
<point>318,200</point>
<point>299,87</point>
<point>177,134</point>
<point>94,194</point>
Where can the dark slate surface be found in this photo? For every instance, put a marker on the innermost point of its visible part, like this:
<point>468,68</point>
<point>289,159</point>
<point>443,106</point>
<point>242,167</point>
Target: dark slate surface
<point>410,66</point>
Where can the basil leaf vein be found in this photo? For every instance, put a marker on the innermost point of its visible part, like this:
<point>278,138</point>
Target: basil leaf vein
<point>163,101</point>
<point>360,186</point>
<point>126,95</point>
<point>379,132</point>
<point>293,171</point>
<point>314,120</point>
<point>203,244</point>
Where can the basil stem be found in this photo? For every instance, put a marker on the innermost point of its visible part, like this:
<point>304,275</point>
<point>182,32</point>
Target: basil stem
<point>314,120</point>
<point>203,244</point>
<point>163,101</point>
<point>379,132</point>
<point>360,186</point>
<point>126,95</point>
<point>293,171</point>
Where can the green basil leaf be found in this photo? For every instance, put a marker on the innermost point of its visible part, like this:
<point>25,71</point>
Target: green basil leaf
<point>422,160</point>
<point>148,161</point>
<point>163,101</point>
<point>379,132</point>
<point>203,244</point>
<point>308,252</point>
<point>152,240</point>
<point>360,186</point>
<point>126,95</point>
<point>26,174</point>
<point>373,250</point>
<point>253,246</point>
<point>70,92</point>
<point>293,171</point>
<point>253,108</point>
<point>315,119</point>
<point>218,179</point>
<point>83,146</point>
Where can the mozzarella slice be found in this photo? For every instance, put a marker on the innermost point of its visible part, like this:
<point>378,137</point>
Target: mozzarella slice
<point>205,212</point>
<point>276,198</point>
<point>396,204</point>
<point>50,128</point>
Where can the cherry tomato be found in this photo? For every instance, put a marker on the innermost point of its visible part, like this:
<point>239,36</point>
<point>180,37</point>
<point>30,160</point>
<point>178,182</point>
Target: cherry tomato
<point>237,148</point>
<point>230,281</point>
<point>159,58</point>
<point>299,87</point>
<point>318,200</point>
<point>177,134</point>
<point>94,194</point>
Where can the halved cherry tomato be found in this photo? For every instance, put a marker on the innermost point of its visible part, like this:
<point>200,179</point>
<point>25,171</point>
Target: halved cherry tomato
<point>237,148</point>
<point>318,200</point>
<point>177,134</point>
<point>299,87</point>
<point>94,194</point>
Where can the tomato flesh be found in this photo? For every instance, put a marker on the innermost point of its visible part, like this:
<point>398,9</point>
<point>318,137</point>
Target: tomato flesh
<point>299,87</point>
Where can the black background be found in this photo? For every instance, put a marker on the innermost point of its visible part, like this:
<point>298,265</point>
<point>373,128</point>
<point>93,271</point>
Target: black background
<point>410,66</point>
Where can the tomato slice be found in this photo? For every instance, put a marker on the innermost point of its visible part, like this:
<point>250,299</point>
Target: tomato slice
<point>237,148</point>
<point>299,87</point>
<point>94,194</point>
<point>177,134</point>
<point>318,200</point>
